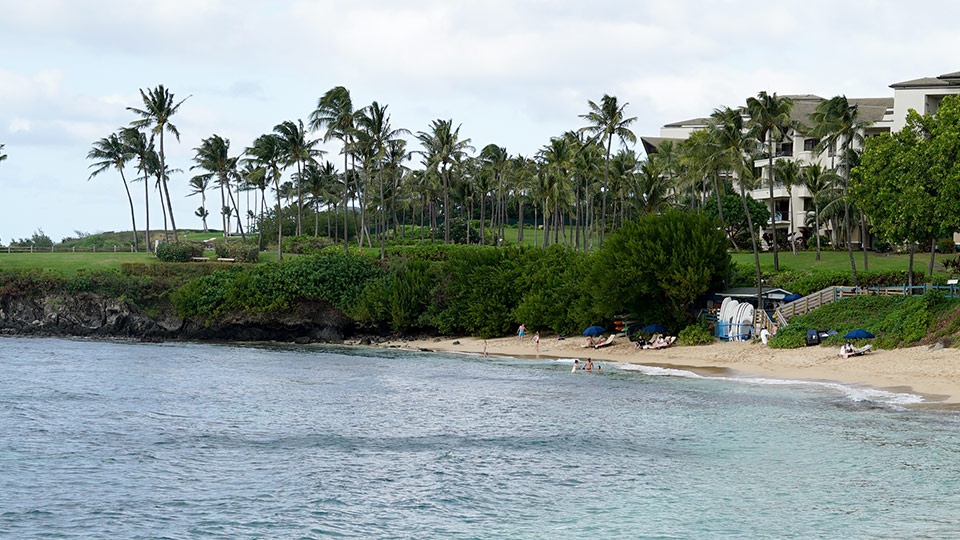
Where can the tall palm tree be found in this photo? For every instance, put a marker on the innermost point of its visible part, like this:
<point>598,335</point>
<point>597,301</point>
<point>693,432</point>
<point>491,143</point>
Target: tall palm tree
<point>557,158</point>
<point>835,121</point>
<point>335,113</point>
<point>198,186</point>
<point>253,174</point>
<point>298,149</point>
<point>770,120</point>
<point>158,107</point>
<point>267,153</point>
<point>143,149</point>
<point>653,188</point>
<point>213,156</point>
<point>443,147</point>
<point>788,172</point>
<point>109,152</point>
<point>396,155</point>
<point>495,159</point>
<point>819,183</point>
<point>734,147</point>
<point>373,124</point>
<point>700,159</point>
<point>606,122</point>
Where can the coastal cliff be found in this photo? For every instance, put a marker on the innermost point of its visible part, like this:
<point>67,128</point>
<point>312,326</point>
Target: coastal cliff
<point>94,315</point>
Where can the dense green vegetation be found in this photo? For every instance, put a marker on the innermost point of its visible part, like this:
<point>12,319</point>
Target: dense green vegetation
<point>895,320</point>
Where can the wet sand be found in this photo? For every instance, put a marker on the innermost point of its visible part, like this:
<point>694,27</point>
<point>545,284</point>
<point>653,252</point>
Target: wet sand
<point>935,374</point>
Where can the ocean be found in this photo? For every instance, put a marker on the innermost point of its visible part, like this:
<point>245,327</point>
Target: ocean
<point>109,439</point>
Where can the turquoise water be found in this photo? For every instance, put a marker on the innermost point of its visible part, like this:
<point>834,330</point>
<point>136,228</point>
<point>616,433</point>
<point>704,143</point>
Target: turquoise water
<point>123,440</point>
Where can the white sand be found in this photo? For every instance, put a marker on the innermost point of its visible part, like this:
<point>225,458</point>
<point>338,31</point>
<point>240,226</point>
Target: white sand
<point>933,373</point>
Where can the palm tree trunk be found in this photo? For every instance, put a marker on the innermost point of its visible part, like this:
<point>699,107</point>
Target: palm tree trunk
<point>133,218</point>
<point>816,218</point>
<point>146,203</point>
<point>276,185</point>
<point>863,241</point>
<point>756,251</point>
<point>773,204</point>
<point>346,197</point>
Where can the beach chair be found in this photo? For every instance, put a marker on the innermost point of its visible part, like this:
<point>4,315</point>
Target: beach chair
<point>608,342</point>
<point>860,351</point>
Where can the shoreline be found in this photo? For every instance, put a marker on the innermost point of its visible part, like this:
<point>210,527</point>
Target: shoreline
<point>934,375</point>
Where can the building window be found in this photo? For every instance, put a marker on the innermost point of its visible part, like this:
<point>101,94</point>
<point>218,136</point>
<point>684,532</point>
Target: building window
<point>786,149</point>
<point>810,144</point>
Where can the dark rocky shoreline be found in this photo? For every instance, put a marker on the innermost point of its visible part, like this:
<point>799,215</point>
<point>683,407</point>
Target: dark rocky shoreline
<point>92,315</point>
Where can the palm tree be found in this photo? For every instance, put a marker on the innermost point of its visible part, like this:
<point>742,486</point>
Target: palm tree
<point>606,122</point>
<point>836,120</point>
<point>158,107</point>
<point>442,149</point>
<point>254,176</point>
<point>267,153</point>
<point>733,147</point>
<point>110,151</point>
<point>788,171</point>
<point>143,149</point>
<point>335,113</point>
<point>700,159</point>
<point>494,159</point>
<point>374,127</point>
<point>819,183</point>
<point>198,185</point>
<point>652,188</point>
<point>213,156</point>
<point>298,149</point>
<point>770,121</point>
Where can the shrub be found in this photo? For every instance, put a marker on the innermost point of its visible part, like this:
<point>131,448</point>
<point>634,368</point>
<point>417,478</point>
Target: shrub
<point>695,334</point>
<point>824,242</point>
<point>179,251</point>
<point>306,245</point>
<point>239,251</point>
<point>946,245</point>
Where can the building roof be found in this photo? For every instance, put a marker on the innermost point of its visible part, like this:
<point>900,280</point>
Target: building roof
<point>650,144</point>
<point>771,293</point>
<point>688,123</point>
<point>947,79</point>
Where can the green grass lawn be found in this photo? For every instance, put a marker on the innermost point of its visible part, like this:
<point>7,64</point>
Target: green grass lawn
<point>70,263</point>
<point>837,260</point>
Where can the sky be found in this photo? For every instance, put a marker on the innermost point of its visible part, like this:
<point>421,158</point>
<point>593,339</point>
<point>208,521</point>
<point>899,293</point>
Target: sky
<point>510,72</point>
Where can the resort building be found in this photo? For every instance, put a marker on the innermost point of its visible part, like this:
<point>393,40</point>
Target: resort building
<point>880,114</point>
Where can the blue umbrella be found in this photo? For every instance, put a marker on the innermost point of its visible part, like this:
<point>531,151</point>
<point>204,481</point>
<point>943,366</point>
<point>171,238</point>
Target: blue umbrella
<point>858,334</point>
<point>653,329</point>
<point>791,298</point>
<point>594,331</point>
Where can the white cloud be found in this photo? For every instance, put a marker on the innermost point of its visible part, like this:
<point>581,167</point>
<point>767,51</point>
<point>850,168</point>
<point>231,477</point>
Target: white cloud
<point>515,72</point>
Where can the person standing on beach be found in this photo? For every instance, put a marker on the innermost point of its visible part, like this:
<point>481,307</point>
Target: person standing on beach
<point>536,341</point>
<point>485,348</point>
<point>521,331</point>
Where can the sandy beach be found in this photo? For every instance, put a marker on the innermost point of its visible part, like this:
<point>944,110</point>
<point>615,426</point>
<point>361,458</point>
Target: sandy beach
<point>935,374</point>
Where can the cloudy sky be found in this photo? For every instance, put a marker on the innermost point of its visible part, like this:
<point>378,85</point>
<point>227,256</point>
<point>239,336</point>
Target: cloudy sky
<point>513,72</point>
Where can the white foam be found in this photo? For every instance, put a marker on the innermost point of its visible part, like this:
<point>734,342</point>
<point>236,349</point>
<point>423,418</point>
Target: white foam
<point>859,394</point>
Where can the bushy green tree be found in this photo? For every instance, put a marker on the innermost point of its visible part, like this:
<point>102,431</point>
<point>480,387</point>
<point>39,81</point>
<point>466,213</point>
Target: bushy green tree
<point>734,218</point>
<point>659,264</point>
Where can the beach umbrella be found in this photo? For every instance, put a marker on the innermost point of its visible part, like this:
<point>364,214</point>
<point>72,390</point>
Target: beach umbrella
<point>791,297</point>
<point>859,333</point>
<point>594,330</point>
<point>654,329</point>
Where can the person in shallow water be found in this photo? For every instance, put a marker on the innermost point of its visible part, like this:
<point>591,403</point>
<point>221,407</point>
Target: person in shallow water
<point>576,365</point>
